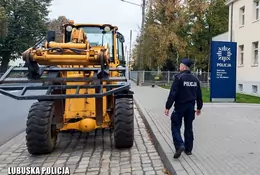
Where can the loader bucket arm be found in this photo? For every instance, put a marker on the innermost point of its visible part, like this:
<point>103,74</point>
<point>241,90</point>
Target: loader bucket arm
<point>24,84</point>
<point>60,58</point>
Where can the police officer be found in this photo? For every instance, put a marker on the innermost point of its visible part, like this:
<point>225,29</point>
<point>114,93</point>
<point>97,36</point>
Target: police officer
<point>185,91</point>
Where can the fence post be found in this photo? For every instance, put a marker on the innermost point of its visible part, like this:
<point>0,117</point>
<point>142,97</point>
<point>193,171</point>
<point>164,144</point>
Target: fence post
<point>168,77</point>
<point>143,77</point>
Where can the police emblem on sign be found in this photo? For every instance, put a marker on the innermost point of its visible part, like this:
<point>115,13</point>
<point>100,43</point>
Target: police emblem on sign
<point>224,53</point>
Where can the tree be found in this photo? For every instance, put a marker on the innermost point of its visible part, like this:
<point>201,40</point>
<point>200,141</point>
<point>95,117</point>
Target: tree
<point>173,29</point>
<point>199,36</point>
<point>160,33</point>
<point>26,23</point>
<point>208,20</point>
<point>135,53</point>
<point>149,42</point>
<point>3,22</point>
<point>55,25</point>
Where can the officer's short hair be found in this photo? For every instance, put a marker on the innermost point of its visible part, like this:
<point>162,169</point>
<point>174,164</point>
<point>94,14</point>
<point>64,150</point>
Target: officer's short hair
<point>188,68</point>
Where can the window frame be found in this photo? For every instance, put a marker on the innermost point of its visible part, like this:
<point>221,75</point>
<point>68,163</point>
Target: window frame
<point>256,10</point>
<point>255,49</point>
<point>242,15</point>
<point>241,54</point>
<point>120,45</point>
<point>254,89</point>
<point>240,87</point>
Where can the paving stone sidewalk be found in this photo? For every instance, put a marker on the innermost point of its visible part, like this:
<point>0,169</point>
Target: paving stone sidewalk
<point>227,137</point>
<point>89,154</point>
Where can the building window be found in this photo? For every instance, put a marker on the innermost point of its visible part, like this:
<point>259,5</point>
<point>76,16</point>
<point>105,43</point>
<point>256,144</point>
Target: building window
<point>254,89</point>
<point>255,53</point>
<point>240,87</point>
<point>242,16</point>
<point>256,7</point>
<point>241,54</point>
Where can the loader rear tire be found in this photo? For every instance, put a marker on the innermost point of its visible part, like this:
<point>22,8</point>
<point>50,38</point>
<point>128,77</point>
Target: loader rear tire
<point>124,123</point>
<point>41,134</point>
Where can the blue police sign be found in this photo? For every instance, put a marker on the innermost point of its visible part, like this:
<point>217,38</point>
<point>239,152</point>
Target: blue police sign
<point>223,71</point>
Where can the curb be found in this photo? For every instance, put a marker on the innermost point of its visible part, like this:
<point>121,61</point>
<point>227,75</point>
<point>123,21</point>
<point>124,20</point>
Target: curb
<point>160,144</point>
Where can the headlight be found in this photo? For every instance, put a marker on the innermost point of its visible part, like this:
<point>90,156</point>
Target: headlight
<point>69,28</point>
<point>107,29</point>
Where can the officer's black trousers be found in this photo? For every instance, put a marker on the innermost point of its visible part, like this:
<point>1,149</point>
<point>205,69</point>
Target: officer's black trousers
<point>186,111</point>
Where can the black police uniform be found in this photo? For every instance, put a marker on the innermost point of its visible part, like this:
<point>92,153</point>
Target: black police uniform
<point>185,90</point>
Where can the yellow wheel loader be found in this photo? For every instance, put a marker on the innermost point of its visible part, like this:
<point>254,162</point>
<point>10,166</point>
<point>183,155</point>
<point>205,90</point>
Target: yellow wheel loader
<point>82,84</point>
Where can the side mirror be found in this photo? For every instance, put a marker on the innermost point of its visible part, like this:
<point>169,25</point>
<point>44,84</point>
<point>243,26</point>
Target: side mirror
<point>50,36</point>
<point>123,39</point>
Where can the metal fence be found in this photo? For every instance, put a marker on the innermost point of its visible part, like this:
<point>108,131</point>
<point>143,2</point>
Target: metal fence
<point>164,77</point>
<point>160,78</point>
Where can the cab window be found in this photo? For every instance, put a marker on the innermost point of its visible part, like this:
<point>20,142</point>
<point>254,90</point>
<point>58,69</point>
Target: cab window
<point>120,49</point>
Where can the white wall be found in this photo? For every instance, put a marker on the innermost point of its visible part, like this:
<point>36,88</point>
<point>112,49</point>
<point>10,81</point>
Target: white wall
<point>247,73</point>
<point>221,37</point>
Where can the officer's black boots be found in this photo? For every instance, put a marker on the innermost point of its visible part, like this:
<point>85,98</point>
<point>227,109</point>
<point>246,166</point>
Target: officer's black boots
<point>188,153</point>
<point>178,152</point>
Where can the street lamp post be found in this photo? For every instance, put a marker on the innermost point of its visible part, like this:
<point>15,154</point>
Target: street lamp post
<point>130,49</point>
<point>140,56</point>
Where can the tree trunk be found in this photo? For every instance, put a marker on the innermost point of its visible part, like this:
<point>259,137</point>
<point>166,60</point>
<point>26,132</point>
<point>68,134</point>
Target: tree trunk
<point>5,62</point>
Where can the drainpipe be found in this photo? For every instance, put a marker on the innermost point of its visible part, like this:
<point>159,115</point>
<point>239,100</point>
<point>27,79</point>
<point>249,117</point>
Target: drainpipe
<point>231,21</point>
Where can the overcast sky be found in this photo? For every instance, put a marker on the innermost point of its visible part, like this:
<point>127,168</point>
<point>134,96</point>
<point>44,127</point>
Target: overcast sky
<point>124,15</point>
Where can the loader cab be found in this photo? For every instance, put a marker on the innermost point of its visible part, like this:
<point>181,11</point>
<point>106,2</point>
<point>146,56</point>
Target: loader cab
<point>97,35</point>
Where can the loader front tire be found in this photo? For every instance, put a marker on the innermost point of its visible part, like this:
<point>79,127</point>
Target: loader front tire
<point>124,123</point>
<point>41,134</point>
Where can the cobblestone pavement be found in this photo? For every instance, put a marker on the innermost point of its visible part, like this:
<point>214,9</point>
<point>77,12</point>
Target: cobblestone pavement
<point>91,154</point>
<point>226,141</point>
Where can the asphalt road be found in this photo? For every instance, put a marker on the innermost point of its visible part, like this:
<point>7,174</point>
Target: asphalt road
<point>13,117</point>
<point>13,114</point>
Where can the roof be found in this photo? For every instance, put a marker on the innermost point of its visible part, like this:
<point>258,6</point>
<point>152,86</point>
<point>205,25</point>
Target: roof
<point>228,2</point>
<point>71,22</point>
<point>98,25</point>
